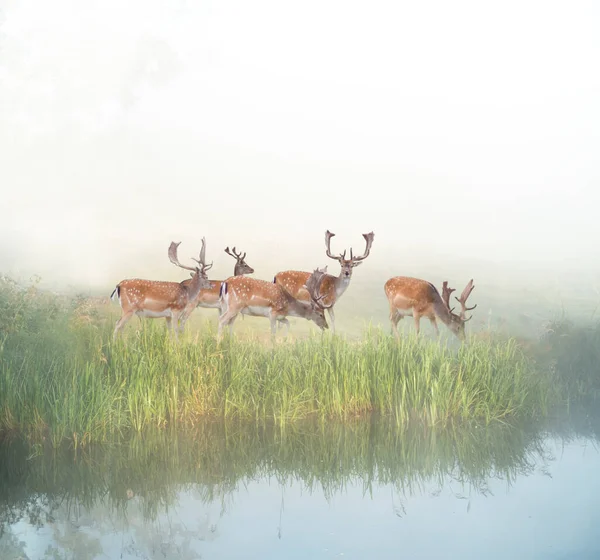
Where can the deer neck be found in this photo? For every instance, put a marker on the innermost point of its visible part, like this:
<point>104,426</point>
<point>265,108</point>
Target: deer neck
<point>341,284</point>
<point>442,312</point>
<point>193,288</point>
<point>295,307</point>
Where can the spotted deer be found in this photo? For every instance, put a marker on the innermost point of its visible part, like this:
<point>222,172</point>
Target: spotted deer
<point>156,299</point>
<point>419,298</point>
<point>332,287</point>
<point>209,297</point>
<point>260,298</point>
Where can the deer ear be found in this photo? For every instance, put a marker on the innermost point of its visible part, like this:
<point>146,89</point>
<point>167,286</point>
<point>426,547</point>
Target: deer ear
<point>356,263</point>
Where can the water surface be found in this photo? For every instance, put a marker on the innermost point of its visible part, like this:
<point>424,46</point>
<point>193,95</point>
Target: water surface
<point>360,490</point>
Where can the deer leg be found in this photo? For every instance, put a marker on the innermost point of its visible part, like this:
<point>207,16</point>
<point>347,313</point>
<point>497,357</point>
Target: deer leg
<point>220,327</point>
<point>281,322</point>
<point>435,326</point>
<point>121,323</point>
<point>417,318</point>
<point>395,316</point>
<point>185,315</point>
<point>183,318</point>
<point>226,318</point>
<point>273,321</point>
<point>223,305</point>
<point>332,317</point>
<point>222,311</point>
<point>179,322</point>
<point>231,325</point>
<point>173,323</point>
<point>287,326</point>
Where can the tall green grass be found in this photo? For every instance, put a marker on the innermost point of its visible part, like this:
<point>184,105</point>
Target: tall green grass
<point>61,376</point>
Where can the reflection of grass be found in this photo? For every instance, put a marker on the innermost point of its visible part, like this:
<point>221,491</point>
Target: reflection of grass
<point>216,458</point>
<point>66,376</point>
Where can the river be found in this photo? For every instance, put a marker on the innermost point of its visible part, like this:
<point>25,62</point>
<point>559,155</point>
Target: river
<point>359,490</point>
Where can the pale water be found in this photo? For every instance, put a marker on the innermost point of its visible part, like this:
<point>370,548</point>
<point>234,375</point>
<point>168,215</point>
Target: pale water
<point>364,490</point>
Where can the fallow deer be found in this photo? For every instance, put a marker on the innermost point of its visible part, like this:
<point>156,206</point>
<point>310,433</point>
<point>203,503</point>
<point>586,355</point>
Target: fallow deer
<point>260,298</point>
<point>209,297</point>
<point>419,298</point>
<point>155,299</point>
<point>332,287</point>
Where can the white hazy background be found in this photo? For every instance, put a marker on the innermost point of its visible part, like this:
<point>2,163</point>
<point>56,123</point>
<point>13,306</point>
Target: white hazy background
<point>465,134</point>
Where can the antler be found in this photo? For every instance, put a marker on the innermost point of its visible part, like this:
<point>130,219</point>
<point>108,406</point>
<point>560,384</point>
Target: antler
<point>369,240</point>
<point>173,256</point>
<point>328,236</point>
<point>313,287</point>
<point>234,254</point>
<point>463,301</point>
<point>446,293</point>
<point>202,260</point>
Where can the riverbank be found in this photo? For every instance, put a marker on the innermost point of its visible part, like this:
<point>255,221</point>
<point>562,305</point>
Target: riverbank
<point>62,376</point>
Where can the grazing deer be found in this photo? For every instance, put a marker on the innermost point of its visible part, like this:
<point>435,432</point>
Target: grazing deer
<point>155,299</point>
<point>209,297</point>
<point>419,298</point>
<point>332,287</point>
<point>260,298</point>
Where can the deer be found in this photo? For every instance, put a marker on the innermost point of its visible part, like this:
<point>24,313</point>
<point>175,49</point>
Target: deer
<point>332,287</point>
<point>259,298</point>
<point>155,299</point>
<point>209,297</point>
<point>419,298</point>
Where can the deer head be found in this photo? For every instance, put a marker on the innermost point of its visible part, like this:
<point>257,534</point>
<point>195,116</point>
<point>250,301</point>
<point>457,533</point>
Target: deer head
<point>317,307</point>
<point>198,272</point>
<point>348,264</point>
<point>457,325</point>
<point>241,266</point>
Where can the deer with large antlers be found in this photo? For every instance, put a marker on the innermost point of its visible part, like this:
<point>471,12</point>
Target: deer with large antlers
<point>210,297</point>
<point>419,298</point>
<point>332,287</point>
<point>260,298</point>
<point>155,299</point>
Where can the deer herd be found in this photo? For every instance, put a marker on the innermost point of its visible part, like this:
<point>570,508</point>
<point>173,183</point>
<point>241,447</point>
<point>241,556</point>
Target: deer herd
<point>292,293</point>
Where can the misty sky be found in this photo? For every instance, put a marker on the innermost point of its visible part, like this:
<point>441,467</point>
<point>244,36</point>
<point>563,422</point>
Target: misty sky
<point>455,129</point>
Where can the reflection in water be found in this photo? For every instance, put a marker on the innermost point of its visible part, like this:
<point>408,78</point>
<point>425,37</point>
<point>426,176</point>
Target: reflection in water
<point>311,490</point>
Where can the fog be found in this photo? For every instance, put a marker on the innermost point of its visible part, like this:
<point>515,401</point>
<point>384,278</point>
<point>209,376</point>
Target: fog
<point>465,135</point>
